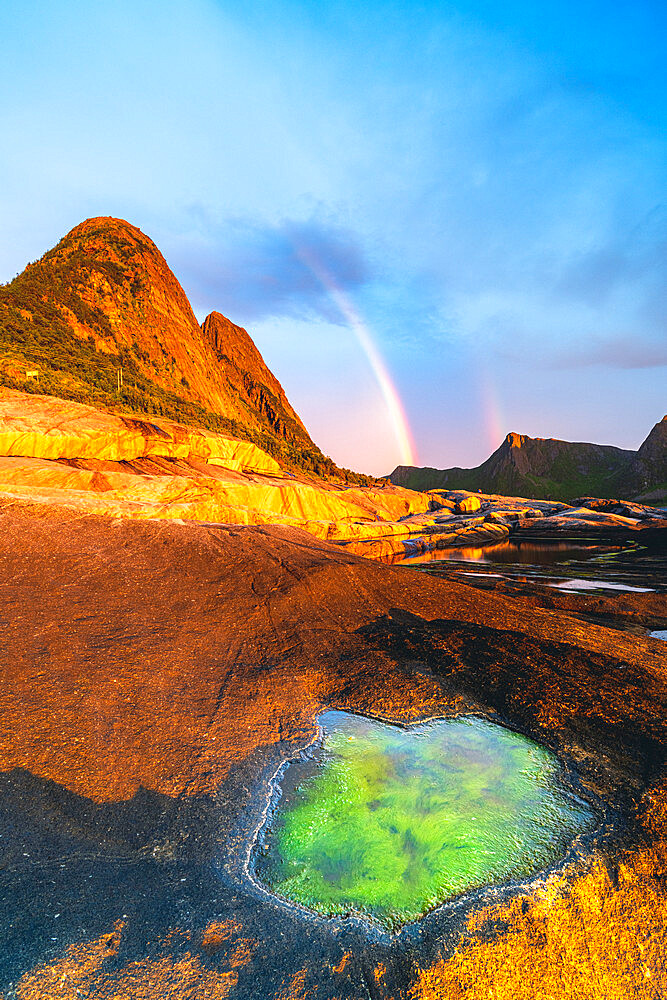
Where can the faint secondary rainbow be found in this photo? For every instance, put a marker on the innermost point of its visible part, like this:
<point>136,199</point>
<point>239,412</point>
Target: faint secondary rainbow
<point>494,420</point>
<point>392,401</point>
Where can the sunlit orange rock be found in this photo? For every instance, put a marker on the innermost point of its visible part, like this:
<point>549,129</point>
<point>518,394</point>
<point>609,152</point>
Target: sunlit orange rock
<point>57,451</point>
<point>34,426</point>
<point>469,504</point>
<point>147,660</point>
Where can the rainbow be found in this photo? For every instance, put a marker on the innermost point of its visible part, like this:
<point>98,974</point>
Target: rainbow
<point>395,410</point>
<point>494,421</point>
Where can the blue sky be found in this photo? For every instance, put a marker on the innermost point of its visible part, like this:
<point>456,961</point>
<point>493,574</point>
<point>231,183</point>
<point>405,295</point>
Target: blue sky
<point>483,183</point>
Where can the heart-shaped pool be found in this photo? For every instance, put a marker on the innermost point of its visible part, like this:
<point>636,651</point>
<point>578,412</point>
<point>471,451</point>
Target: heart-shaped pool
<point>390,821</point>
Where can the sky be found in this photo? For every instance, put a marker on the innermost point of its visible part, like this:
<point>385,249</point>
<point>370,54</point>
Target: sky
<point>440,222</point>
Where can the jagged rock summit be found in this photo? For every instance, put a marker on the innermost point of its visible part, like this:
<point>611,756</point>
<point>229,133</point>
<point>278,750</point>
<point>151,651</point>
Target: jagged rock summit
<point>244,369</point>
<point>649,467</point>
<point>103,306</point>
<point>554,469</point>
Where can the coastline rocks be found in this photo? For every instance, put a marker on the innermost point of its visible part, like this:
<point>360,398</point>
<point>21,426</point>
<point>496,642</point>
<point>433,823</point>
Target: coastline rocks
<point>57,452</point>
<point>580,520</point>
<point>54,451</point>
<point>215,497</point>
<point>591,515</point>
<point>395,549</point>
<point>34,426</point>
<point>626,508</point>
<point>497,518</point>
<point>440,503</point>
<point>487,533</point>
<point>468,505</point>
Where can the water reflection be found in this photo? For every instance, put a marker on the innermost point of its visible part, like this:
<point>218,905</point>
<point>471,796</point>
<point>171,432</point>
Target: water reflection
<point>577,584</point>
<point>426,549</point>
<point>531,553</point>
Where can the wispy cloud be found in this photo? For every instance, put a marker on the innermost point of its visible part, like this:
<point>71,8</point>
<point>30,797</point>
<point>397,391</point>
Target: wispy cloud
<point>632,254</point>
<point>621,351</point>
<point>482,180</point>
<point>254,270</point>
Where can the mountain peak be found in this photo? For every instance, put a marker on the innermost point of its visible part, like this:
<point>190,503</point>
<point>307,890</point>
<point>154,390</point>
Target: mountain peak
<point>106,236</point>
<point>108,223</point>
<point>101,318</point>
<point>245,368</point>
<point>226,337</point>
<point>553,469</point>
<point>515,440</point>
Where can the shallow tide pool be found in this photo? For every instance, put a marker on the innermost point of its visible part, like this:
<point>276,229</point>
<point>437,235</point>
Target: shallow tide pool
<point>388,822</point>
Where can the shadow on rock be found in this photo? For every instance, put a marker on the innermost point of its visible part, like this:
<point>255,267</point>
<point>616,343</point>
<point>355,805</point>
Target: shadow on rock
<point>153,869</point>
<point>601,714</point>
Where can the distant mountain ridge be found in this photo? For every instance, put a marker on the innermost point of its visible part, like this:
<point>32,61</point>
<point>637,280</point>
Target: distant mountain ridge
<point>556,470</point>
<point>101,319</point>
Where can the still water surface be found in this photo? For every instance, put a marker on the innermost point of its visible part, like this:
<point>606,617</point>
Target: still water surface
<point>525,553</point>
<point>578,567</point>
<point>389,822</point>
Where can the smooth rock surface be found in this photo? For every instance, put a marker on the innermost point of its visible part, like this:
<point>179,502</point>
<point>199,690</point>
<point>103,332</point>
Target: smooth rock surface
<point>33,426</point>
<point>155,674</point>
<point>57,451</point>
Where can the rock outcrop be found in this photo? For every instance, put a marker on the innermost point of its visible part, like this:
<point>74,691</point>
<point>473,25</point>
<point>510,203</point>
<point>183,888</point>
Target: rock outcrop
<point>101,319</point>
<point>553,469</point>
<point>466,521</point>
<point>54,451</point>
<point>49,428</point>
<point>155,676</point>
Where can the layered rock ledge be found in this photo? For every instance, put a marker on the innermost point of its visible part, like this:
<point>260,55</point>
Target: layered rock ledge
<point>67,453</point>
<point>54,451</point>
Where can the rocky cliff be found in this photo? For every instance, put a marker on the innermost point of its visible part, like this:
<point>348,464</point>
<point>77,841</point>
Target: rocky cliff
<point>648,470</point>
<point>101,319</point>
<point>553,469</point>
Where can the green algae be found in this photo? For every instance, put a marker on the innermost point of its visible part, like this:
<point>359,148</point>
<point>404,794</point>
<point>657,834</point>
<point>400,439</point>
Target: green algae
<point>389,822</point>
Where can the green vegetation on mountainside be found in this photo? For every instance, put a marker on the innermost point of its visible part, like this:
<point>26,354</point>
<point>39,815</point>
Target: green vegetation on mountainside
<point>36,334</point>
<point>511,483</point>
<point>535,468</point>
